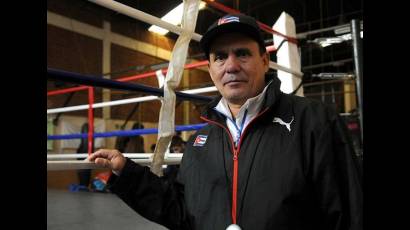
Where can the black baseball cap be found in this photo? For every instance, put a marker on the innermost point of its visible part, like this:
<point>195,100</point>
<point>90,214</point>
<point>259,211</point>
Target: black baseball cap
<point>232,23</point>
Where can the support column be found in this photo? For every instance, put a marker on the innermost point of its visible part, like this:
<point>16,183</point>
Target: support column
<point>106,93</point>
<point>357,54</point>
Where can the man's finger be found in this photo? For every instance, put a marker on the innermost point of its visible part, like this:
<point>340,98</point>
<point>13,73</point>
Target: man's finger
<point>103,162</point>
<point>104,153</point>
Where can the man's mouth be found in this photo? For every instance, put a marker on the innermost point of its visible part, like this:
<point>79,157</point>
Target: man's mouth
<point>233,82</point>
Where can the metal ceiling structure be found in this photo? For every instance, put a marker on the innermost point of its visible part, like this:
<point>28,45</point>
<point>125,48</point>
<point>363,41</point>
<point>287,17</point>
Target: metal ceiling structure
<point>314,18</point>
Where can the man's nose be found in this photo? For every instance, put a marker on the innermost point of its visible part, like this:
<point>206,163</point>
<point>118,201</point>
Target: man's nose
<point>232,64</point>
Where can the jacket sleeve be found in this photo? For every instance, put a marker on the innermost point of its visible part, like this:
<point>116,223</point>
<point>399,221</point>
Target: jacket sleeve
<point>158,199</point>
<point>337,176</point>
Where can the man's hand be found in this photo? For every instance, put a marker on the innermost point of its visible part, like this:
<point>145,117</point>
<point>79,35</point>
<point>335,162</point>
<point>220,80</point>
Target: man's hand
<point>109,158</point>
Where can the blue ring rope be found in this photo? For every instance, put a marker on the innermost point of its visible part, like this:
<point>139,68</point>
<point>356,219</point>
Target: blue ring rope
<point>122,133</point>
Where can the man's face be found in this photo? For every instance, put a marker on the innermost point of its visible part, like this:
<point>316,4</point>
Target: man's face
<point>237,68</point>
<point>177,149</point>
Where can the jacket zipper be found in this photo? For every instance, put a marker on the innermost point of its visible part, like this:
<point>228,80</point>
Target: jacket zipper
<point>235,151</point>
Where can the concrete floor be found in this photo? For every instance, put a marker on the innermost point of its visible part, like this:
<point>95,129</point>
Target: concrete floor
<point>89,210</point>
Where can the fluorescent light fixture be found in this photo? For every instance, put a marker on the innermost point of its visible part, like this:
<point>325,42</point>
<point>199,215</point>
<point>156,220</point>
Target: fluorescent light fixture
<point>324,42</point>
<point>333,75</point>
<point>174,17</point>
<point>346,29</point>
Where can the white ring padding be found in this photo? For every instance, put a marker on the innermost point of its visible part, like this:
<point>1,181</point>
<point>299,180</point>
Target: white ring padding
<point>82,164</point>
<point>166,121</point>
<point>129,155</point>
<point>126,101</point>
<point>137,14</point>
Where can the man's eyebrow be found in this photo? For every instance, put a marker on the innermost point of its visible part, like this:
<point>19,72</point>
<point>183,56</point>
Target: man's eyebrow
<point>222,51</point>
<point>218,51</point>
<point>246,50</point>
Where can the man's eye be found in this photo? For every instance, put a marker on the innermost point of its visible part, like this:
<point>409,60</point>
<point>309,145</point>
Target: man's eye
<point>219,57</point>
<point>243,53</point>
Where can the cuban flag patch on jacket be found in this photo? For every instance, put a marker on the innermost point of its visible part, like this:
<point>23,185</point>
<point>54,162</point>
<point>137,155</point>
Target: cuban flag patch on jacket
<point>200,140</point>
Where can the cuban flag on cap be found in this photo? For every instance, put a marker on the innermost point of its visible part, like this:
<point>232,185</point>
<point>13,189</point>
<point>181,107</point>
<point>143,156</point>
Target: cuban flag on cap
<point>228,19</point>
<point>200,140</point>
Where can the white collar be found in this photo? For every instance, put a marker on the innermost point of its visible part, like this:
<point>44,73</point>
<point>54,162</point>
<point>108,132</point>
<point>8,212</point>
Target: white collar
<point>252,105</point>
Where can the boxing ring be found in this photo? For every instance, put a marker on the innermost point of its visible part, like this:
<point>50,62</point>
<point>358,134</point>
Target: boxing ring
<point>88,82</point>
<point>83,211</point>
<point>92,204</point>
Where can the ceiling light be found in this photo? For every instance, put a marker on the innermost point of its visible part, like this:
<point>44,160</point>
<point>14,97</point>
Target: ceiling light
<point>346,29</point>
<point>324,42</point>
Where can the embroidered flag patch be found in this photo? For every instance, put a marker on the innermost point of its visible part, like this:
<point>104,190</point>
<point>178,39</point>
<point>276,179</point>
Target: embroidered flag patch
<point>228,19</point>
<point>200,140</point>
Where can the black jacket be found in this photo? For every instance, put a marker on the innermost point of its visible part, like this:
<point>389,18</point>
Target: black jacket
<point>303,178</point>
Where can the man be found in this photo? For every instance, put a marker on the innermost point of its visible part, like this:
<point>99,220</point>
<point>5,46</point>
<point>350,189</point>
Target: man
<point>177,146</point>
<point>266,160</point>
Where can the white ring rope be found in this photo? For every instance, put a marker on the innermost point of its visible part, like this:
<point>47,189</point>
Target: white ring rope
<point>83,164</point>
<point>166,123</point>
<point>64,161</point>
<point>142,16</point>
<point>63,156</point>
<point>126,101</point>
<point>278,67</point>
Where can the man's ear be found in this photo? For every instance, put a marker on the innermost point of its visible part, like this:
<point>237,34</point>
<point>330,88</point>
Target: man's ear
<point>209,69</point>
